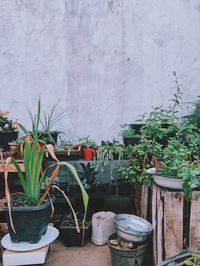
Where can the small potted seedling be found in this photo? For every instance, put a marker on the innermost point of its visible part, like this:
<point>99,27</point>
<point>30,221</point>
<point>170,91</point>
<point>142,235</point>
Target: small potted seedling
<point>69,234</point>
<point>89,147</point>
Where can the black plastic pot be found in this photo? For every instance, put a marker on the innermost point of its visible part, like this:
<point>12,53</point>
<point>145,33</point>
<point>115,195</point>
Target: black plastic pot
<point>132,140</point>
<point>137,128</point>
<point>50,137</point>
<point>30,222</point>
<point>69,234</point>
<point>6,137</point>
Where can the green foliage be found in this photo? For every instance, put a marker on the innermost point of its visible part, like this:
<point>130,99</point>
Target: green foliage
<point>162,123</point>
<point>33,154</point>
<point>179,162</point>
<point>50,119</point>
<point>88,174</point>
<point>159,125</point>
<point>141,157</point>
<point>33,179</point>
<point>127,131</point>
<point>107,151</point>
<point>87,142</point>
<point>194,262</point>
<point>188,133</point>
<point>194,117</point>
<point>174,155</point>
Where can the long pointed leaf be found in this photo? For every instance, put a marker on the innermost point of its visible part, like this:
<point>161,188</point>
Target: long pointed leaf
<point>53,177</point>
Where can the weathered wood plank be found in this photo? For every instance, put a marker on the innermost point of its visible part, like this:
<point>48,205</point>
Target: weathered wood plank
<point>136,201</point>
<point>144,202</point>
<point>173,223</point>
<point>160,244</point>
<point>154,223</point>
<point>194,237</point>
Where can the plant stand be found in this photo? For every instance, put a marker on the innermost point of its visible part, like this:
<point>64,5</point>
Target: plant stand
<point>25,253</point>
<point>14,258</point>
<point>170,222</point>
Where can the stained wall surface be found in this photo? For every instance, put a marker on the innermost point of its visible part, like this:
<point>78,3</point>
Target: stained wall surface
<point>108,60</point>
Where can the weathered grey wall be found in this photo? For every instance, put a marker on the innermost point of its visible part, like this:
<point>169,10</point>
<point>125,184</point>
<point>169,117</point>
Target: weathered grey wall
<point>109,60</point>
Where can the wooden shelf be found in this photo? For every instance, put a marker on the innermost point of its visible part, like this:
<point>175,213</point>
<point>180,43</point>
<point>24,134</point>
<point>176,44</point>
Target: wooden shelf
<point>12,167</point>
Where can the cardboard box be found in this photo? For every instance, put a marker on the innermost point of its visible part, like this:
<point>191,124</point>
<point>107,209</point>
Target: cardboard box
<point>15,258</point>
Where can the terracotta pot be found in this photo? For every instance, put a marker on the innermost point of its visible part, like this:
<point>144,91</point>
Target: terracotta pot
<point>88,153</point>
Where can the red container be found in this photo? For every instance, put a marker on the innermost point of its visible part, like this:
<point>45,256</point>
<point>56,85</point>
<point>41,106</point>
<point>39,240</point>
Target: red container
<point>88,153</point>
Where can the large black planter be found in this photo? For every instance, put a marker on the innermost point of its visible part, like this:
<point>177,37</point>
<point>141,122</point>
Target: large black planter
<point>132,140</point>
<point>30,222</point>
<point>137,128</point>
<point>6,137</point>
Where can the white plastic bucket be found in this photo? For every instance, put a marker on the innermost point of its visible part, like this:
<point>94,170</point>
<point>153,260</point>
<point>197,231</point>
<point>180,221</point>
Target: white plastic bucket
<point>102,227</point>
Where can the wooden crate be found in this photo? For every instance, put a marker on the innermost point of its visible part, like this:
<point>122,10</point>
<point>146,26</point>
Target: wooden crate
<point>168,220</point>
<point>141,202</point>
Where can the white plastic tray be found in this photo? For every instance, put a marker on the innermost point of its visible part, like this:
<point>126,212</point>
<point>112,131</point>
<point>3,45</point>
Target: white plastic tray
<point>51,235</point>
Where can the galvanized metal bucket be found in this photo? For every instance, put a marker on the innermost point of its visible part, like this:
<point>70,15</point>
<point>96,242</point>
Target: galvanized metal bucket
<point>132,228</point>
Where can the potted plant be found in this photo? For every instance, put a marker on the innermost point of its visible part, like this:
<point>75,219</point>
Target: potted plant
<point>88,147</point>
<point>137,126</point>
<point>69,233</point>
<point>140,157</point>
<point>129,135</point>
<point>107,152</point>
<point>28,213</point>
<point>46,132</point>
<point>8,130</point>
<point>179,170</point>
<point>162,124</point>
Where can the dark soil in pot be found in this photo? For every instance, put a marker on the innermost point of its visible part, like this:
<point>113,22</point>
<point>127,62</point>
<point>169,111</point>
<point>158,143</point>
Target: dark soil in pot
<point>30,222</point>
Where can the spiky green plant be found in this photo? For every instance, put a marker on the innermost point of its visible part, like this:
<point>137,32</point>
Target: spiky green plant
<point>33,179</point>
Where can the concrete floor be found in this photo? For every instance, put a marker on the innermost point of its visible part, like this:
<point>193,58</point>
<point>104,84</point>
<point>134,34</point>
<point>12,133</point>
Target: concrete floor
<point>88,255</point>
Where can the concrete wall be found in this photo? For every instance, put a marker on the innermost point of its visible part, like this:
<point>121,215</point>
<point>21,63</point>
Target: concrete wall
<point>108,60</point>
